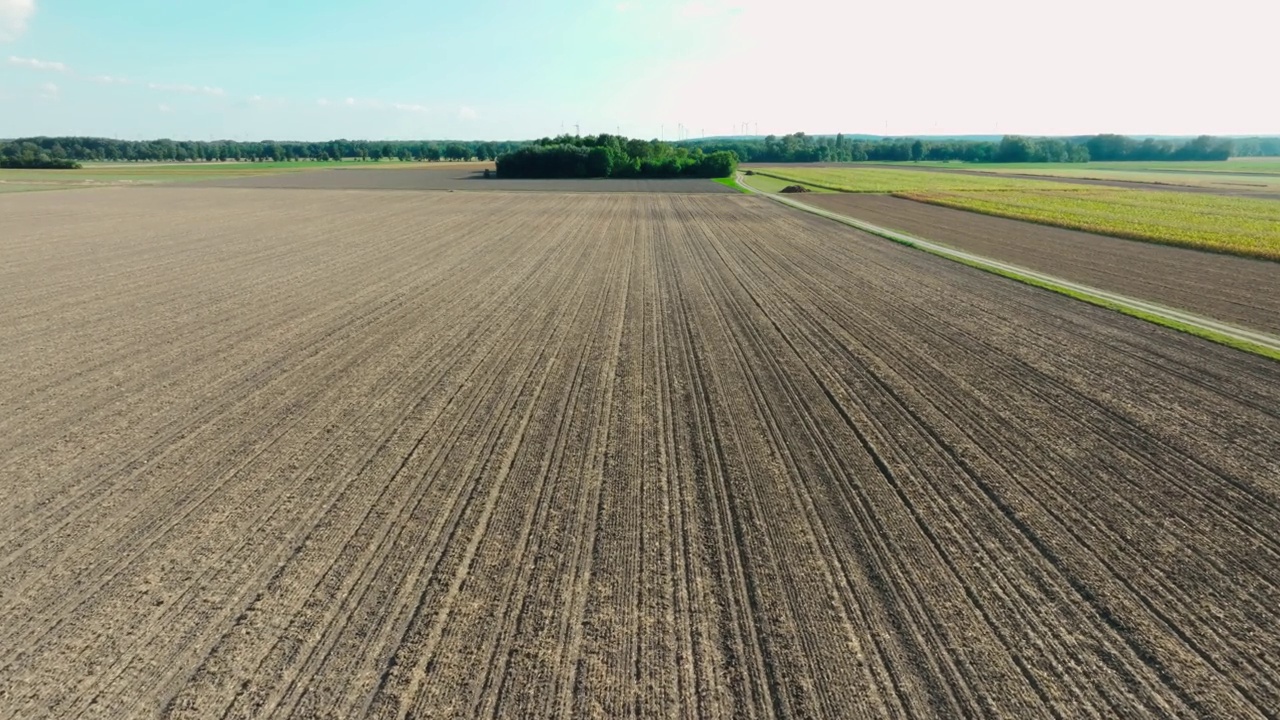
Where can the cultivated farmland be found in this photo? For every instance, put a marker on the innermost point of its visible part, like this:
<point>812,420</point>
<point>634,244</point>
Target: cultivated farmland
<point>442,176</point>
<point>845,177</point>
<point>1243,179</point>
<point>1242,226</point>
<point>1238,290</point>
<point>393,454</point>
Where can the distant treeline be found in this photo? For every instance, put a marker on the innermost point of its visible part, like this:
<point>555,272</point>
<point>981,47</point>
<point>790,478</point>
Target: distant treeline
<point>38,162</point>
<point>799,147</point>
<point>106,149</point>
<point>603,156</point>
<point>623,157</point>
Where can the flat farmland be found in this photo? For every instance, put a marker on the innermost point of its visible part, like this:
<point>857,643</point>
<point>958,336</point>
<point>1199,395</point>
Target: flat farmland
<point>1243,226</point>
<point>1140,176</point>
<point>1239,290</point>
<point>327,453</point>
<point>461,176</point>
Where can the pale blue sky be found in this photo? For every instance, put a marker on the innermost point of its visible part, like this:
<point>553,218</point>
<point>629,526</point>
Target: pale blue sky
<point>495,69</point>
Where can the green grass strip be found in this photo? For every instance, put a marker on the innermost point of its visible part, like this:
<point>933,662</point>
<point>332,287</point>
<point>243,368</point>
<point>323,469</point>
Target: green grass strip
<point>733,183</point>
<point>1199,332</point>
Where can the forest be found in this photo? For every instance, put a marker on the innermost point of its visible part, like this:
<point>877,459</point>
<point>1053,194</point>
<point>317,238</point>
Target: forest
<point>615,156</point>
<point>52,151</point>
<point>799,147</point>
<point>603,156</point>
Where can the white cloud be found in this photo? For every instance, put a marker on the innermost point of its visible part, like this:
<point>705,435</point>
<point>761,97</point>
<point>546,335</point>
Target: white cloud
<point>35,64</point>
<point>413,108</point>
<point>49,91</point>
<point>188,89</point>
<point>110,80</point>
<point>366,103</point>
<point>263,101</point>
<point>624,7</point>
<point>374,104</point>
<point>14,15</point>
<point>467,113</point>
<point>164,108</point>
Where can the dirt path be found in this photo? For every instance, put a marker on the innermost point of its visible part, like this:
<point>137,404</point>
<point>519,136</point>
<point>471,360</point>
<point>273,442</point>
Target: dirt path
<point>301,453</point>
<point>1243,291</point>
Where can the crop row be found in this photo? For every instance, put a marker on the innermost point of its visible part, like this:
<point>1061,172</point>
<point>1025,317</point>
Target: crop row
<point>1240,226</point>
<point>884,180</point>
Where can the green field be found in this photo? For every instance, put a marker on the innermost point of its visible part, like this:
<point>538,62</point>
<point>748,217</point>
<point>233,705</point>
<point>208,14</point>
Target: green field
<point>104,174</point>
<point>883,180</point>
<point>150,173</point>
<point>1235,166</point>
<point>1241,226</point>
<point>1243,177</point>
<point>1237,225</point>
<point>767,183</point>
<point>16,187</point>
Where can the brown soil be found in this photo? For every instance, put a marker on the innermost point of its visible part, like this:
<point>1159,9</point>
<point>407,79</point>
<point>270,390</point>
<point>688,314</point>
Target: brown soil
<point>439,177</point>
<point>1237,290</point>
<point>791,189</point>
<point>353,454</point>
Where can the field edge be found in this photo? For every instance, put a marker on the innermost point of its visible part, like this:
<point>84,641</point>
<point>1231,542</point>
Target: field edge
<point>1091,298</point>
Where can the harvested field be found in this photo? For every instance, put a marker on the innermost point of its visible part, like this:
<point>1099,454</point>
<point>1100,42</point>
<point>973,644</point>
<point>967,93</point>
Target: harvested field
<point>438,178</point>
<point>1238,290</point>
<point>314,453</point>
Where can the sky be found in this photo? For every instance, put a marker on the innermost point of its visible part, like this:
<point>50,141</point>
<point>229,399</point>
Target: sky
<point>507,69</point>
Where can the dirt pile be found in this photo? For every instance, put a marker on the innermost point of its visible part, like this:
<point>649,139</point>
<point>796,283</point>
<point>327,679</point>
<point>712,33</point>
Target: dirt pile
<point>795,189</point>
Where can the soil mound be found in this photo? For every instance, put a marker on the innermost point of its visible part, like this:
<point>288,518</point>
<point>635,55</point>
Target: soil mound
<point>795,189</point>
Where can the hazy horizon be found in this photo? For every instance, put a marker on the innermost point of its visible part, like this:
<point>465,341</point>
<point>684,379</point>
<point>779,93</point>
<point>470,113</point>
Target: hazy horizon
<point>145,69</point>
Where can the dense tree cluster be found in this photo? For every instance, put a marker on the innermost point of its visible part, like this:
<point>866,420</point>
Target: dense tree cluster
<point>30,155</point>
<point>1256,147</point>
<point>612,156</point>
<point>799,147</point>
<point>1119,147</point>
<point>106,149</point>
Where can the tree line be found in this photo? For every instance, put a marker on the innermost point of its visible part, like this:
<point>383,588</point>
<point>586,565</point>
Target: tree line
<point>605,156</point>
<point>799,147</point>
<point>614,156</point>
<point>51,150</point>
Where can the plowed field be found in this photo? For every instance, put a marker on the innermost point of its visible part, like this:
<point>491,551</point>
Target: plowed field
<point>461,176</point>
<point>1239,290</point>
<point>345,454</point>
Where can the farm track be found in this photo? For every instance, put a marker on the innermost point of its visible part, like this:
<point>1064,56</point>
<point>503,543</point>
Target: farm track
<point>303,453</point>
